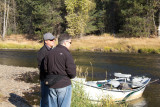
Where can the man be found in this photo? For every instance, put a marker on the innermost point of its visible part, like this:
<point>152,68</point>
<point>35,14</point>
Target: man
<point>59,61</point>
<point>49,41</point>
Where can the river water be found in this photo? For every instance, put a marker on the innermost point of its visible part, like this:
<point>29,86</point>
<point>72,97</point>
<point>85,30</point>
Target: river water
<point>100,63</point>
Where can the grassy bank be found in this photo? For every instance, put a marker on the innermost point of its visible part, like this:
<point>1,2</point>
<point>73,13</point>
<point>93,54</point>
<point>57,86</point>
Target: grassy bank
<point>14,45</point>
<point>103,43</point>
<point>107,43</point>
<point>20,42</point>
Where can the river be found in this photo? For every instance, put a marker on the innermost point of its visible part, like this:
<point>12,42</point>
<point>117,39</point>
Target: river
<point>100,63</point>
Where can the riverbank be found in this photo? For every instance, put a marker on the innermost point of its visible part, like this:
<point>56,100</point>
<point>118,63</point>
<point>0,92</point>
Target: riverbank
<point>19,88</point>
<point>110,44</point>
<point>12,89</point>
<point>92,43</point>
<point>20,42</point>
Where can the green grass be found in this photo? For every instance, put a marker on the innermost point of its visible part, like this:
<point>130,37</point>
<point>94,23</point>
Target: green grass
<point>79,98</point>
<point>149,50</point>
<point>19,46</point>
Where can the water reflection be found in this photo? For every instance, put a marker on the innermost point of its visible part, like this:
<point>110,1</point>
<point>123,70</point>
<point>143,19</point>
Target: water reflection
<point>140,102</point>
<point>25,58</point>
<point>136,64</point>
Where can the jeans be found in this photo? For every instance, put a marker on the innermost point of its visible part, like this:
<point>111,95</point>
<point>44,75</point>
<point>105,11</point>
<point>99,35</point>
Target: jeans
<point>60,97</point>
<point>44,95</point>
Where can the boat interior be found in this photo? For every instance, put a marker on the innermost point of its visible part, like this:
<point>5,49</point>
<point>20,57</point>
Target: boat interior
<point>121,82</point>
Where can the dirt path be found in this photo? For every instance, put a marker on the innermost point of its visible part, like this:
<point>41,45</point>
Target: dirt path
<point>11,90</point>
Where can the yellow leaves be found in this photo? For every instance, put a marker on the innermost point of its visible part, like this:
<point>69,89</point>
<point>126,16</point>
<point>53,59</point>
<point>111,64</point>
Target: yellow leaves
<point>78,15</point>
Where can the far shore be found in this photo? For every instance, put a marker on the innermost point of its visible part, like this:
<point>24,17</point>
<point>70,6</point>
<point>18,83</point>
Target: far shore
<point>92,43</point>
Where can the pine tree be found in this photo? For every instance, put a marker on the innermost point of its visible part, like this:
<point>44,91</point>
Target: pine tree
<point>39,16</point>
<point>100,16</point>
<point>139,17</point>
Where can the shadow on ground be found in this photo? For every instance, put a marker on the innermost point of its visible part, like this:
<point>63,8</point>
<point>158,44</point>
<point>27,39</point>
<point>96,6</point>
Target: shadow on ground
<point>32,97</point>
<point>18,101</point>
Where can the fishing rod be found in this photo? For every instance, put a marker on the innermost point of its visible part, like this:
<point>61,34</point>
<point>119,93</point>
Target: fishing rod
<point>153,81</point>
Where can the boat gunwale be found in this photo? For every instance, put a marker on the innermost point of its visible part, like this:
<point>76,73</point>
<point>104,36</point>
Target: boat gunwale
<point>129,90</point>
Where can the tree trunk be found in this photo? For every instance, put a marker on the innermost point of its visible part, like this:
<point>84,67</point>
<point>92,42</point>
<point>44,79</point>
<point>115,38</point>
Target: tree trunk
<point>155,27</point>
<point>14,10</point>
<point>159,26</point>
<point>7,15</point>
<point>4,21</point>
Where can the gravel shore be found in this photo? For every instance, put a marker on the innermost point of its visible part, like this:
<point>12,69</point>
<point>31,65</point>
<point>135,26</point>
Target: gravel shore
<point>11,90</point>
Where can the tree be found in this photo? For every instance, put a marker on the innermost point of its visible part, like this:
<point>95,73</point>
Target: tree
<point>1,10</point>
<point>5,18</point>
<point>100,16</point>
<point>109,17</point>
<point>159,25</point>
<point>39,16</point>
<point>139,17</point>
<point>58,16</point>
<point>156,15</point>
<point>12,26</point>
<point>78,15</point>
<point>91,25</point>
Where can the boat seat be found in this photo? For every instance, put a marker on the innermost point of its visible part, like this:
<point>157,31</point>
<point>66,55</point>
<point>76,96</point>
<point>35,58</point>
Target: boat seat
<point>120,75</point>
<point>114,83</point>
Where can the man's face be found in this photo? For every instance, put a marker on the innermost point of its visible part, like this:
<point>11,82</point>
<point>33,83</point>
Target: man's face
<point>50,43</point>
<point>68,43</point>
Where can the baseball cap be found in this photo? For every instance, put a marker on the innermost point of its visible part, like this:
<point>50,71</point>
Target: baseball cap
<point>48,36</point>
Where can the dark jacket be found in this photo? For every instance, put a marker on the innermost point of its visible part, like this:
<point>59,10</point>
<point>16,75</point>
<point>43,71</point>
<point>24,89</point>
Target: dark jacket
<point>59,61</point>
<point>40,58</point>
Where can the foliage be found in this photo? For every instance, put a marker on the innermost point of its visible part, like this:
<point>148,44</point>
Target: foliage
<point>91,26</point>
<point>100,16</point>
<point>39,17</point>
<point>139,17</point>
<point>79,98</point>
<point>146,50</point>
<point>78,15</point>
<point>132,18</point>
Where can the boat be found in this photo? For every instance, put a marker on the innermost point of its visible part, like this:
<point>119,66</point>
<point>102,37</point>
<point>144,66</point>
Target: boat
<point>123,87</point>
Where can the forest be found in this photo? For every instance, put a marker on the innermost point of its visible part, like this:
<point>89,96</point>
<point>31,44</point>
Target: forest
<point>128,18</point>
